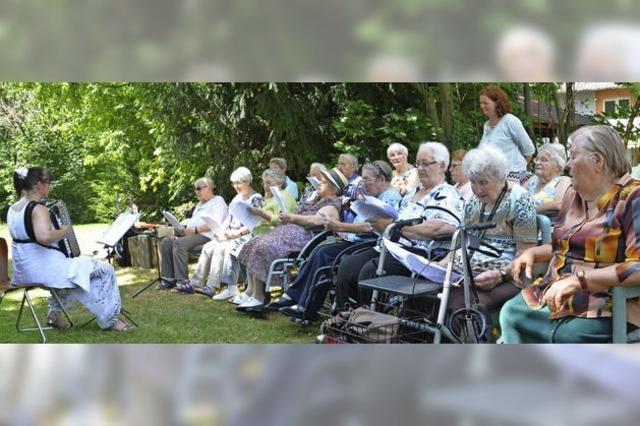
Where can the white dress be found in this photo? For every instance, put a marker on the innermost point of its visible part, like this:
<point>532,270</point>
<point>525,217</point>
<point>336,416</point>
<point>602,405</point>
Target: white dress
<point>80,279</point>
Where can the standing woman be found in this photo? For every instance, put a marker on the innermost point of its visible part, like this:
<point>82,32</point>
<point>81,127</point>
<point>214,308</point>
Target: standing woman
<point>37,261</point>
<point>506,132</point>
<point>405,176</point>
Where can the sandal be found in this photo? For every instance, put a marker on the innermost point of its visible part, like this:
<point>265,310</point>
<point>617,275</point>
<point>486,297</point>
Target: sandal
<point>121,326</point>
<point>206,291</point>
<point>184,288</point>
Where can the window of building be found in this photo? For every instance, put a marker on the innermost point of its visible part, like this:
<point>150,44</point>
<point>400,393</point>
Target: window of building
<point>611,105</point>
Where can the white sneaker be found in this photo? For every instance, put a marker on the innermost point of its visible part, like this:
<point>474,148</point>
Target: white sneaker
<point>239,298</point>
<point>225,294</point>
<point>250,303</point>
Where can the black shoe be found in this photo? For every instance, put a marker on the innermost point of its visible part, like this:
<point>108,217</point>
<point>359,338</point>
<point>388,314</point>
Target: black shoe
<point>280,303</point>
<point>165,285</point>
<point>292,312</point>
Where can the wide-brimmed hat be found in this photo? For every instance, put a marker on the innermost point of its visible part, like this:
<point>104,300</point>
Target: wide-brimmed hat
<point>336,178</point>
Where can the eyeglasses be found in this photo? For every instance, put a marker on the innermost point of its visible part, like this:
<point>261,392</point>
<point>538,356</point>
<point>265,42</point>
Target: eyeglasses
<point>199,188</point>
<point>424,164</point>
<point>454,166</point>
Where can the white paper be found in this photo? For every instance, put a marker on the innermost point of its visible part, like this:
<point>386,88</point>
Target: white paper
<point>418,264</point>
<point>213,224</point>
<point>177,226</point>
<point>276,194</point>
<point>118,228</point>
<point>313,181</point>
<point>240,210</point>
<point>370,207</point>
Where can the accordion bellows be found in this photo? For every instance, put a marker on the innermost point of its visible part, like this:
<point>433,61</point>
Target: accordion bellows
<point>60,216</point>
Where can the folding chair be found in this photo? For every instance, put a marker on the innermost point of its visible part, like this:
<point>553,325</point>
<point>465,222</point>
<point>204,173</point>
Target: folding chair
<point>7,287</point>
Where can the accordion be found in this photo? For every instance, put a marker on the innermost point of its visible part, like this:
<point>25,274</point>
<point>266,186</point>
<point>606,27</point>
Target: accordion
<point>60,216</point>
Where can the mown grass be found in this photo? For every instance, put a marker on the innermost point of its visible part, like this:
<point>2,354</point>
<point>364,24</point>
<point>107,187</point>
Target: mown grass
<point>162,316</point>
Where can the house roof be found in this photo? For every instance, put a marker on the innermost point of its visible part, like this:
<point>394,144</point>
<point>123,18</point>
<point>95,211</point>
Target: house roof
<point>589,86</point>
<point>541,112</point>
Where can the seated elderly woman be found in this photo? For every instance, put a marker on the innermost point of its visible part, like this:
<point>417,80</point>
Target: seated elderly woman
<point>594,247</point>
<point>548,186</point>
<point>279,163</point>
<point>258,254</point>
<point>315,172</point>
<point>432,161</point>
<point>270,214</point>
<point>175,250</point>
<point>377,180</point>
<point>215,266</point>
<point>460,180</point>
<point>511,208</point>
<point>405,176</point>
<point>348,166</point>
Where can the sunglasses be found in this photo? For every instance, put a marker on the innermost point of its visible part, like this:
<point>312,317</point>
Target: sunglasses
<point>199,188</point>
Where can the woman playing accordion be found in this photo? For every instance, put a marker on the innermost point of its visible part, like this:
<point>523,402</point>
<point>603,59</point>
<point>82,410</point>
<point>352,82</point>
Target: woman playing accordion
<point>38,257</point>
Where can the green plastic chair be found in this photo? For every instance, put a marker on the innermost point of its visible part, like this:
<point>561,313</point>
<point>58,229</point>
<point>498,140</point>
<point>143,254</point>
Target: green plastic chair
<point>620,296</point>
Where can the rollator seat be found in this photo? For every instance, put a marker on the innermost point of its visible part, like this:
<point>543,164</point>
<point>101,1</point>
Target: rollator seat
<point>402,285</point>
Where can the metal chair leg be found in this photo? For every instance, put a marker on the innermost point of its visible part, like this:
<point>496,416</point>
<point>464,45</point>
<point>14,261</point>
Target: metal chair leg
<point>25,297</point>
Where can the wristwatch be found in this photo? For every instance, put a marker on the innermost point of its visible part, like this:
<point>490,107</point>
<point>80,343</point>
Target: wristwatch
<point>583,280</point>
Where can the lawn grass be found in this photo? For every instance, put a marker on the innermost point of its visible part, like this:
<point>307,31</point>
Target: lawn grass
<point>162,316</point>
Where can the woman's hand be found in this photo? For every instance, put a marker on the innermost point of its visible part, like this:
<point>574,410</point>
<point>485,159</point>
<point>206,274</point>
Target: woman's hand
<point>331,224</point>
<point>232,235</point>
<point>559,292</point>
<point>488,279</point>
<point>285,218</point>
<point>523,262</point>
<point>380,224</point>
<point>189,231</point>
<point>220,237</point>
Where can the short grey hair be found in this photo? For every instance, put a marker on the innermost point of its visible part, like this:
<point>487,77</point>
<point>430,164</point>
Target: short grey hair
<point>351,159</point>
<point>205,180</point>
<point>379,168</point>
<point>280,162</point>
<point>485,162</point>
<point>277,176</point>
<point>321,167</point>
<point>241,174</point>
<point>556,153</point>
<point>438,150</point>
<point>398,147</point>
<point>604,140</point>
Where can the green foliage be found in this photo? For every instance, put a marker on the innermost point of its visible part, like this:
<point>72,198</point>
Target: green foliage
<point>112,144</point>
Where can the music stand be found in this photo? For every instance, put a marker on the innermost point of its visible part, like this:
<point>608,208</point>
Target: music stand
<point>112,236</point>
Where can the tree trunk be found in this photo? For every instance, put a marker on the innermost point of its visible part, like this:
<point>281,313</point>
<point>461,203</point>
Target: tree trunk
<point>526,94</point>
<point>447,114</point>
<point>635,153</point>
<point>430,106</point>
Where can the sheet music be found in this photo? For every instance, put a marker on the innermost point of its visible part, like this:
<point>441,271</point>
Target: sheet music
<point>240,210</point>
<point>177,226</point>
<point>213,224</point>
<point>370,207</point>
<point>418,264</point>
<point>118,228</point>
<point>276,194</point>
<point>313,181</point>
